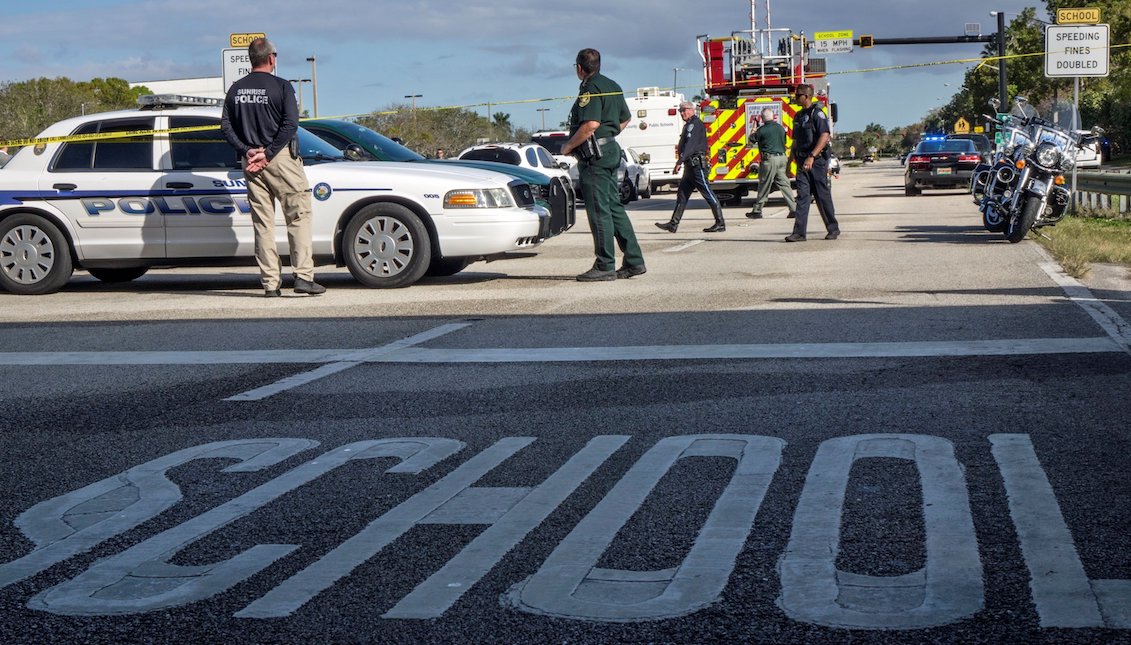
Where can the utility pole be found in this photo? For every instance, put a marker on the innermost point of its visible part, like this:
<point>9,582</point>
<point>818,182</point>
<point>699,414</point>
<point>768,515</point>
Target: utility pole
<point>299,81</point>
<point>543,111</point>
<point>314,83</point>
<point>413,97</point>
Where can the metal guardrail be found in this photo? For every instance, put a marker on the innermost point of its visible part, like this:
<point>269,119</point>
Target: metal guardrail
<point>1104,190</point>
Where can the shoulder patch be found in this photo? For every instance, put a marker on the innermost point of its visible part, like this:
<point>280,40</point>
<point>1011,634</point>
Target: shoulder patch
<point>583,100</point>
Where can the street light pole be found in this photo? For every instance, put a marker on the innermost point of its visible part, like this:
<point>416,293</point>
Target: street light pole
<point>675,77</point>
<point>299,81</point>
<point>543,111</point>
<point>314,83</point>
<point>413,97</point>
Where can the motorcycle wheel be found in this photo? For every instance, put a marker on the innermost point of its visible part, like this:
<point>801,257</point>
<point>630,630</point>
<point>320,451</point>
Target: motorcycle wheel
<point>1019,225</point>
<point>993,220</point>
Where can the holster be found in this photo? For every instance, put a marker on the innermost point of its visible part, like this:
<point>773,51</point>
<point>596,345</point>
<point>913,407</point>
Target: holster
<point>589,150</point>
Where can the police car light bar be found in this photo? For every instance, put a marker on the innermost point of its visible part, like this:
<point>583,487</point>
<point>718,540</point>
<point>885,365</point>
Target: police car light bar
<point>161,100</point>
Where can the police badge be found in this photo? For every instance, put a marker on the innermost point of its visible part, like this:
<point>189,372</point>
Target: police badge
<point>583,100</point>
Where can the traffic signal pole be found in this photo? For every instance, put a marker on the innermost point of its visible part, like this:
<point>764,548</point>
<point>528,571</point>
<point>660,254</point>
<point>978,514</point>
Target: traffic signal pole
<point>999,38</point>
<point>1002,90</point>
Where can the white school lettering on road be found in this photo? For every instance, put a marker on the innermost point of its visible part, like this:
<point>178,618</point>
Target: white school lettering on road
<point>569,584</point>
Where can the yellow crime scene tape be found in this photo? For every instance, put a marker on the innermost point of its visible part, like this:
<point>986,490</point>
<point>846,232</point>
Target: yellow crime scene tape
<point>104,136</point>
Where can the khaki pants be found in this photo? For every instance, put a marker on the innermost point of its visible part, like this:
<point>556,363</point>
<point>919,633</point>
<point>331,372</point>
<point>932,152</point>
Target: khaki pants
<point>284,180</point>
<point>772,174</point>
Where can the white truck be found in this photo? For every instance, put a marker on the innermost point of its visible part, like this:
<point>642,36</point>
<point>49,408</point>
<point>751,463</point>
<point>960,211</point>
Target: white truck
<point>654,131</point>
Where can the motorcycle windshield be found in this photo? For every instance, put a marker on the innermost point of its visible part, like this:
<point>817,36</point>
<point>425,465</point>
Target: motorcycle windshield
<point>1062,114</point>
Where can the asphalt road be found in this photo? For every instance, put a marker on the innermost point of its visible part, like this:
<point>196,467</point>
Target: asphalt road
<point>914,434</point>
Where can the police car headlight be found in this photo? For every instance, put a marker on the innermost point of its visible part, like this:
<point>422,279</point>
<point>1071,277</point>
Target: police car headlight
<point>1048,155</point>
<point>478,198</point>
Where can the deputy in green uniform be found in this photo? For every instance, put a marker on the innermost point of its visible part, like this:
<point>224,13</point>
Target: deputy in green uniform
<point>601,112</point>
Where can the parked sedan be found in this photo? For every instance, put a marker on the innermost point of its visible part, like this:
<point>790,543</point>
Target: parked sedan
<point>636,182</point>
<point>938,162</point>
<point>351,138</point>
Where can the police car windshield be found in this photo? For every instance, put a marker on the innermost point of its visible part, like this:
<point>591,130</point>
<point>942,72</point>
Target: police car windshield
<point>386,148</point>
<point>313,149</point>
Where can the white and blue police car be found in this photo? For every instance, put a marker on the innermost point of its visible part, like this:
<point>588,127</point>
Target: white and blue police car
<point>120,192</point>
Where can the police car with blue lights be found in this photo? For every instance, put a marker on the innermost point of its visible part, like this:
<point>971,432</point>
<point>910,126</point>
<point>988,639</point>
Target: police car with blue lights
<point>118,193</point>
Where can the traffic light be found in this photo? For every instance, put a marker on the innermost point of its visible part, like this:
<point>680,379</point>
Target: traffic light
<point>867,41</point>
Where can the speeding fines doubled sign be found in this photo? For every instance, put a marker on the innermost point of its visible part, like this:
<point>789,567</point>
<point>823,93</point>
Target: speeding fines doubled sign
<point>1076,50</point>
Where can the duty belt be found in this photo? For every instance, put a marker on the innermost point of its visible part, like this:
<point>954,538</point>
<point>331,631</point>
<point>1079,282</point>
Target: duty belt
<point>603,140</point>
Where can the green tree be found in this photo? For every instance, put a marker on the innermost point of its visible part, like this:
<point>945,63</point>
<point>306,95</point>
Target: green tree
<point>1105,102</point>
<point>27,107</point>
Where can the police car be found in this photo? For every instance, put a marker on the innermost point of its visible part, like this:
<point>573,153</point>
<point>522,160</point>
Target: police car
<point>119,192</point>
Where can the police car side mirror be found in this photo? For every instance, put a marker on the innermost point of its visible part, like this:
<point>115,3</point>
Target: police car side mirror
<point>644,158</point>
<point>563,165</point>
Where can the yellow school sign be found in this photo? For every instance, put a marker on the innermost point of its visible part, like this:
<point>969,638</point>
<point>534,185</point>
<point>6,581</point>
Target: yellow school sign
<point>1078,16</point>
<point>243,40</point>
<point>962,126</point>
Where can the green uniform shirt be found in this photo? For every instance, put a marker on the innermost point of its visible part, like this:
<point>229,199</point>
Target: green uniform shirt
<point>600,99</point>
<point>770,138</point>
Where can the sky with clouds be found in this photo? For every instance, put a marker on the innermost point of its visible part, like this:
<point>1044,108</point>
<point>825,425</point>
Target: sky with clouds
<point>517,55</point>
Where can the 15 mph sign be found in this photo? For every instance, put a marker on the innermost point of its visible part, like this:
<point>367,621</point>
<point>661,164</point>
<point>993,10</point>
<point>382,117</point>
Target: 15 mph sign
<point>1076,50</point>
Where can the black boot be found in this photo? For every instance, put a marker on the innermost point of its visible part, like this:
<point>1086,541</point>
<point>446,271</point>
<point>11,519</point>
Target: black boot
<point>672,225</point>
<point>720,224</point>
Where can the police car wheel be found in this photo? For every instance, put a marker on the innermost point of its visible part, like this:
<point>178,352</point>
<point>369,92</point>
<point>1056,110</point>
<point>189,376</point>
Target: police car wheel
<point>625,191</point>
<point>386,246</point>
<point>34,256</point>
<point>118,275</point>
<point>443,267</point>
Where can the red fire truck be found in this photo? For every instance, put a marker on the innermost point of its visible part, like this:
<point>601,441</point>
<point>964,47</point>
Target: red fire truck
<point>743,74</point>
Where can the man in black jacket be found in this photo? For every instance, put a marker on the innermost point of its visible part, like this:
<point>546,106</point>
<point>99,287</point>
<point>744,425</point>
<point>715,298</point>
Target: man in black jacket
<point>691,153</point>
<point>260,121</point>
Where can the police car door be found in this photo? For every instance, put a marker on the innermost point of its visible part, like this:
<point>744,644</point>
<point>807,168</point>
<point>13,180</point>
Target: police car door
<point>104,187</point>
<point>209,215</point>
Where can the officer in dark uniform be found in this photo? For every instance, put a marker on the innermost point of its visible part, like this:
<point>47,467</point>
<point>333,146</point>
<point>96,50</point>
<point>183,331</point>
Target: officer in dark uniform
<point>691,153</point>
<point>811,134</point>
<point>598,115</point>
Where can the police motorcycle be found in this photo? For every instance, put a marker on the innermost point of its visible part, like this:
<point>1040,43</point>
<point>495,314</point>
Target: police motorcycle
<point>1023,187</point>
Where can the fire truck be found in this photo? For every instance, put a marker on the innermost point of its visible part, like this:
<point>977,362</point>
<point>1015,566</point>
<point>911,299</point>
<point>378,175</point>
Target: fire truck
<point>745,73</point>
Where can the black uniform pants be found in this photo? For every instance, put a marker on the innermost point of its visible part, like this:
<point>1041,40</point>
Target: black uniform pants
<point>814,183</point>
<point>695,178</point>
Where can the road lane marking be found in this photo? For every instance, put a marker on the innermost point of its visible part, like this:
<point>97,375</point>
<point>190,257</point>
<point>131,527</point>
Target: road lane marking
<point>405,352</point>
<point>1106,317</point>
<point>352,359</point>
<point>686,245</point>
